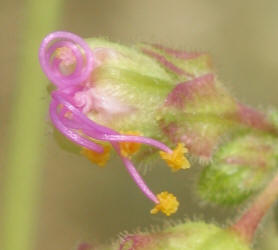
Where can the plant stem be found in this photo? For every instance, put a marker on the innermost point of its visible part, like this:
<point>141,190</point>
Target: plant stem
<point>247,224</point>
<point>25,152</point>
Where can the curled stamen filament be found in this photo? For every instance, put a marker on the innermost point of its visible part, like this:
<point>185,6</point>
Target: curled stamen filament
<point>79,48</point>
<point>102,133</point>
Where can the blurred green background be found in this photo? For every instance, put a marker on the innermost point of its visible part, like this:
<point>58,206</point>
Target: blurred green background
<point>76,201</point>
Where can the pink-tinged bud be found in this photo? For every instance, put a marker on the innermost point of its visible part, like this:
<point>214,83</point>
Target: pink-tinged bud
<point>200,111</point>
<point>188,236</point>
<point>115,97</point>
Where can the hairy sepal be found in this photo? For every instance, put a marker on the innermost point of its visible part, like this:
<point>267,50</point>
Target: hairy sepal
<point>239,168</point>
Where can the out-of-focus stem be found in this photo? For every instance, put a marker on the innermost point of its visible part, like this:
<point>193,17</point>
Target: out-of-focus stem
<point>247,224</point>
<point>25,151</point>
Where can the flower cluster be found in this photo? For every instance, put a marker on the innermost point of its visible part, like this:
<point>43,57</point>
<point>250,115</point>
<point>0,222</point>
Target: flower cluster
<point>69,63</point>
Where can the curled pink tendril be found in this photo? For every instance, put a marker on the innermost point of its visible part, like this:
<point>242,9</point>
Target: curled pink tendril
<point>50,63</point>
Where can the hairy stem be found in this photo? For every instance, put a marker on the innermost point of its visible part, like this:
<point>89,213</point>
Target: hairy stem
<point>247,224</point>
<point>24,156</point>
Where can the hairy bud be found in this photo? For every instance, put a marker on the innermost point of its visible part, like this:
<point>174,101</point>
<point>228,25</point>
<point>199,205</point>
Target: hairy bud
<point>240,168</point>
<point>138,100</point>
<point>188,236</point>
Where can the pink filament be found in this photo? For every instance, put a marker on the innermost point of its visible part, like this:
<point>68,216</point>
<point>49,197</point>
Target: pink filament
<point>68,132</point>
<point>103,133</point>
<point>78,121</point>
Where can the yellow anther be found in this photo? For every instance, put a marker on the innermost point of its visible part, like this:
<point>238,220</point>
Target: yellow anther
<point>176,159</point>
<point>98,158</point>
<point>168,204</point>
<point>129,148</point>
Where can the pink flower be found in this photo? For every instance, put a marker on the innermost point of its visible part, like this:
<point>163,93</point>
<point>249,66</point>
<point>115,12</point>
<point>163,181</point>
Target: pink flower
<point>68,62</point>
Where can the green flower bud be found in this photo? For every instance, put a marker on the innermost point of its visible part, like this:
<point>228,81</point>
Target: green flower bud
<point>174,97</point>
<point>109,94</point>
<point>129,88</point>
<point>188,236</point>
<point>240,168</point>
